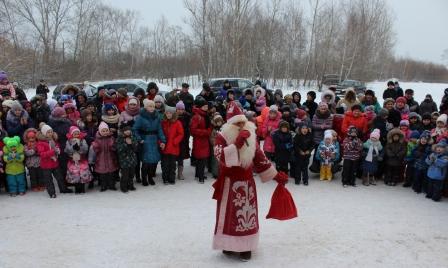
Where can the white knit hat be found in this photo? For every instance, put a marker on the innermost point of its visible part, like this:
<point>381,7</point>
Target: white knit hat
<point>148,103</point>
<point>442,118</point>
<point>45,128</point>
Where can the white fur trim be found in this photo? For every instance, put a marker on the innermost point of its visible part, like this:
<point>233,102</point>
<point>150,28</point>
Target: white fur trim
<point>237,118</point>
<point>231,156</point>
<point>222,241</point>
<point>268,174</point>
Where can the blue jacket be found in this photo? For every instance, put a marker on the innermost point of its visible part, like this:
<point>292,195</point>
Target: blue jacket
<point>147,128</point>
<point>419,155</point>
<point>437,167</point>
<point>334,148</point>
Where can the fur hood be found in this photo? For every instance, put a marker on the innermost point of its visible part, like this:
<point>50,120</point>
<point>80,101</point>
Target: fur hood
<point>393,132</point>
<point>328,93</point>
<point>262,91</point>
<point>247,153</point>
<point>65,90</point>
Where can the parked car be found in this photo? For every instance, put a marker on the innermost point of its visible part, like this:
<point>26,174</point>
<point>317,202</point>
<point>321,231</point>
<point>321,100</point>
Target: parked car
<point>130,84</point>
<point>331,79</point>
<point>358,86</point>
<point>57,92</point>
<point>239,85</point>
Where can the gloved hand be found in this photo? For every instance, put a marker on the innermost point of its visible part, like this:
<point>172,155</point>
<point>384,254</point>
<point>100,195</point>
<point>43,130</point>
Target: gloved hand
<point>76,147</point>
<point>281,177</point>
<point>242,137</point>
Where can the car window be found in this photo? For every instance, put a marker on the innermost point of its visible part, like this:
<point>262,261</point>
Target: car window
<point>233,83</point>
<point>216,83</point>
<point>244,84</point>
<point>129,87</point>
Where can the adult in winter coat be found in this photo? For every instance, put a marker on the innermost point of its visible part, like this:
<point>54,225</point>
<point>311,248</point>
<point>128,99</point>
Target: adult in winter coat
<point>131,111</point>
<point>380,123</point>
<point>238,155</point>
<point>20,94</point>
<point>444,104</point>
<point>17,120</point>
<point>329,97</point>
<point>186,98</point>
<point>270,124</point>
<point>152,90</point>
<point>148,131</point>
<point>139,93</point>
<point>402,107</point>
<point>42,89</point>
<point>348,101</point>
<point>81,100</point>
<point>412,104</point>
<point>369,99</point>
<point>428,105</point>
<point>390,92</point>
<point>5,85</point>
<point>357,119</point>
<point>200,129</point>
<point>174,133</point>
<point>322,121</point>
<point>310,104</point>
<point>394,116</point>
<point>122,99</point>
<point>41,109</point>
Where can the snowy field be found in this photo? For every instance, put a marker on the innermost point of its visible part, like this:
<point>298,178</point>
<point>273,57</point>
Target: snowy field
<point>172,226</point>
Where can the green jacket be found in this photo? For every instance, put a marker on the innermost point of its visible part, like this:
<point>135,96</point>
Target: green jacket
<point>14,165</point>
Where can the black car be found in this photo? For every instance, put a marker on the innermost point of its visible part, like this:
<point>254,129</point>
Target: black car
<point>358,86</point>
<point>239,85</point>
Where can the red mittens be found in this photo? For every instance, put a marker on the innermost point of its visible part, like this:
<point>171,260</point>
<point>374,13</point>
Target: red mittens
<point>241,139</point>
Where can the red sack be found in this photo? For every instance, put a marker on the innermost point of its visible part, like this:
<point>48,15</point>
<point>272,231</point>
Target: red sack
<point>282,204</point>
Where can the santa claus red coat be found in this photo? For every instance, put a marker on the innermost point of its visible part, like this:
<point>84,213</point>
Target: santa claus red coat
<point>237,225</point>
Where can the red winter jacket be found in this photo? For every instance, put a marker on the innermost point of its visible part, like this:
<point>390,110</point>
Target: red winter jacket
<point>201,134</point>
<point>46,153</point>
<point>174,133</point>
<point>121,104</point>
<point>359,122</point>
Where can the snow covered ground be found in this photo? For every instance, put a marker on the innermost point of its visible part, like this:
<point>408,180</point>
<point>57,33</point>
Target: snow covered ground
<point>172,226</point>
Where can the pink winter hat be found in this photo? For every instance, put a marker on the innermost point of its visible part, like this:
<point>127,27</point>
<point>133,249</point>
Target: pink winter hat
<point>102,126</point>
<point>180,105</point>
<point>58,112</point>
<point>323,105</point>
<point>375,134</point>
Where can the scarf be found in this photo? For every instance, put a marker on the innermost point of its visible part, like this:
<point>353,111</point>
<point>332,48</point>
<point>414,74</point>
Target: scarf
<point>133,111</point>
<point>111,119</point>
<point>374,146</point>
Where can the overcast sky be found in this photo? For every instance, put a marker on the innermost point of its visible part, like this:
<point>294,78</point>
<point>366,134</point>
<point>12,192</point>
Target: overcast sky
<point>420,25</point>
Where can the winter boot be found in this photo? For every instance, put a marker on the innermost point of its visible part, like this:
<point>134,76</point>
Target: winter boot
<point>365,180</point>
<point>245,256</point>
<point>180,170</point>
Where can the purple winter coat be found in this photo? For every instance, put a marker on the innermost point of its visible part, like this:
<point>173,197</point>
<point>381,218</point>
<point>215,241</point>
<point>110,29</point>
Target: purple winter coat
<point>106,155</point>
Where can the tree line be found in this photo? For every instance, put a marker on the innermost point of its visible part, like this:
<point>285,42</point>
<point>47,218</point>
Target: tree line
<point>77,40</point>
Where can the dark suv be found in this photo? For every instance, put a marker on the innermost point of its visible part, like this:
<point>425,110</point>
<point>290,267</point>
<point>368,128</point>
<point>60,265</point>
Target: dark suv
<point>239,85</point>
<point>358,86</point>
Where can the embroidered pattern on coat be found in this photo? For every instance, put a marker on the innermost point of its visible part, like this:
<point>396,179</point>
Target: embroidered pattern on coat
<point>246,203</point>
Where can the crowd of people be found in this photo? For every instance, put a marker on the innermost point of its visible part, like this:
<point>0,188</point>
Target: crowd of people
<point>115,138</point>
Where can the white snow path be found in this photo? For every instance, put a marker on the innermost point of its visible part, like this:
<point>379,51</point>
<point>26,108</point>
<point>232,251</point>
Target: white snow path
<point>172,226</point>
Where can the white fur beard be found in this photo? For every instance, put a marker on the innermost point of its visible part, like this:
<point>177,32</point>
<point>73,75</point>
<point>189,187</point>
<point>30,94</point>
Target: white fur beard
<point>246,153</point>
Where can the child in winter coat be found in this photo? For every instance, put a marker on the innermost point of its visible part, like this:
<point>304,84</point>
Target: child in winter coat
<point>282,139</point>
<point>404,128</point>
<point>15,170</point>
<point>201,129</point>
<point>72,113</point>
<point>184,117</point>
<point>78,172</point>
<point>440,132</point>
<point>373,154</point>
<point>174,133</point>
<point>127,148</point>
<point>17,120</point>
<point>49,151</point>
<point>260,103</point>
<point>409,174</point>
<point>303,146</point>
<point>32,160</point>
<point>395,153</point>
<point>270,124</point>
<point>111,117</point>
<point>106,158</point>
<point>419,155</point>
<point>352,149</point>
<point>326,154</point>
<point>217,123</point>
<point>437,171</point>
